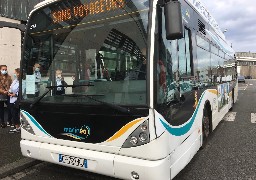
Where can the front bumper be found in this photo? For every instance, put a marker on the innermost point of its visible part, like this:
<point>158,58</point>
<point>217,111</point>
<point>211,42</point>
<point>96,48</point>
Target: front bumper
<point>113,165</point>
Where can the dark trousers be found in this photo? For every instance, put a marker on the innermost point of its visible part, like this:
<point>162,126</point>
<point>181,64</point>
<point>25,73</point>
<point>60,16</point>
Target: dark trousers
<point>15,114</point>
<point>2,121</point>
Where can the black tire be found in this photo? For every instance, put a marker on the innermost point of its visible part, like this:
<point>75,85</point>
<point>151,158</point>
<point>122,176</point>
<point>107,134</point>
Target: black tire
<point>206,129</point>
<point>233,100</point>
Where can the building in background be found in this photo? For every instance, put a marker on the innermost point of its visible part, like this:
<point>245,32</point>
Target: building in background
<point>10,45</point>
<point>13,12</point>
<point>18,10</point>
<point>246,64</point>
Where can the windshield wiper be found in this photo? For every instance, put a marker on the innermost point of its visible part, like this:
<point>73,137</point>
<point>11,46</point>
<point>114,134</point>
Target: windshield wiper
<point>51,88</point>
<point>73,86</point>
<point>113,106</point>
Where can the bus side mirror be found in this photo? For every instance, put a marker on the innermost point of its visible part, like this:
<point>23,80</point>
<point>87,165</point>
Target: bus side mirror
<point>173,20</point>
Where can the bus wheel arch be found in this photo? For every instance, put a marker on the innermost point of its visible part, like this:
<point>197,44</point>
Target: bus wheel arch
<point>233,96</point>
<point>206,123</point>
<point>232,100</point>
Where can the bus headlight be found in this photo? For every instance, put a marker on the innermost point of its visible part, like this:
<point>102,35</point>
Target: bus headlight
<point>25,124</point>
<point>134,140</point>
<point>138,137</point>
<point>144,127</point>
<point>143,137</point>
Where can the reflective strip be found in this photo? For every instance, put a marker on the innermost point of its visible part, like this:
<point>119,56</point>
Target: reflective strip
<point>214,91</point>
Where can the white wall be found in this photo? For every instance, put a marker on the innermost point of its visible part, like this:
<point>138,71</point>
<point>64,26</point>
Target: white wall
<point>10,46</point>
<point>238,70</point>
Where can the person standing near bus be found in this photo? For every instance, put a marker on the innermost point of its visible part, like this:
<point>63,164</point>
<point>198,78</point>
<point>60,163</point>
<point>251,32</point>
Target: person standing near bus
<point>59,82</point>
<point>14,106</point>
<point>100,64</point>
<point>5,82</point>
<point>37,74</point>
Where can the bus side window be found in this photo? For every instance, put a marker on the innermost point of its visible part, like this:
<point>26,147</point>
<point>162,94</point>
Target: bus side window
<point>167,74</point>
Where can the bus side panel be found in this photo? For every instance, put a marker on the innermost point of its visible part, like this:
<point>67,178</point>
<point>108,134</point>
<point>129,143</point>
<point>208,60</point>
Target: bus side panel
<point>218,116</point>
<point>184,153</point>
<point>236,92</point>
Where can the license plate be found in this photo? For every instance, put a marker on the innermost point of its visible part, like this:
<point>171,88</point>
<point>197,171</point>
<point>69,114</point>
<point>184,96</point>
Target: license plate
<point>74,161</point>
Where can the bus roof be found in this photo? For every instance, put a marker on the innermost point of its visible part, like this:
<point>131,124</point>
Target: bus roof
<point>43,3</point>
<point>197,5</point>
<point>200,8</point>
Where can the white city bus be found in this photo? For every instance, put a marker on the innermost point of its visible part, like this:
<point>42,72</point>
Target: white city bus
<point>126,88</point>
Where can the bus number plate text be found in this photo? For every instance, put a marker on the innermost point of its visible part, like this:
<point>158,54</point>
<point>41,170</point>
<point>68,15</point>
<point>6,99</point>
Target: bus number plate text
<point>74,161</point>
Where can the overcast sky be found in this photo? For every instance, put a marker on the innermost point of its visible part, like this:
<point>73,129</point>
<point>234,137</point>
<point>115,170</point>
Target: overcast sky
<point>239,18</point>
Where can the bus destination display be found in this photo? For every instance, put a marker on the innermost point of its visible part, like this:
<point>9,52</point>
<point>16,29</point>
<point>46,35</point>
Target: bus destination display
<point>89,8</point>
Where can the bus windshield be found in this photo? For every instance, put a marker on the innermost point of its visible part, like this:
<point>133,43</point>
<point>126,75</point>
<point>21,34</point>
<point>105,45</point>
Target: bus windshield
<point>87,48</point>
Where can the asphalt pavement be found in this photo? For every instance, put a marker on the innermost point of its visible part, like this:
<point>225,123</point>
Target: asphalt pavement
<point>11,159</point>
<point>9,146</point>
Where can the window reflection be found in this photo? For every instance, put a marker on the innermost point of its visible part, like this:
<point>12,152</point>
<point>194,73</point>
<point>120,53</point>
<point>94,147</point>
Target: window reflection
<point>174,75</point>
<point>203,72</point>
<point>106,58</point>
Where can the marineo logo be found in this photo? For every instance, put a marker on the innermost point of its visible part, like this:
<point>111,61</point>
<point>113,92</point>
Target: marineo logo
<point>77,133</point>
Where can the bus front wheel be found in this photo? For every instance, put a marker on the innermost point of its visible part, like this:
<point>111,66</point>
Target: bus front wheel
<point>205,127</point>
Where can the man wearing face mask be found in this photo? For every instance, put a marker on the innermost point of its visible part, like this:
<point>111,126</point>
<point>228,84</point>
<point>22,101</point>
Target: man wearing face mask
<point>14,103</point>
<point>59,82</point>
<point>37,74</point>
<point>5,82</point>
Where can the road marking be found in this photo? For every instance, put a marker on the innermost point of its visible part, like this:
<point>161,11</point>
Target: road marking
<point>230,116</point>
<point>17,166</point>
<point>243,87</point>
<point>251,84</point>
<point>253,117</point>
<point>246,87</point>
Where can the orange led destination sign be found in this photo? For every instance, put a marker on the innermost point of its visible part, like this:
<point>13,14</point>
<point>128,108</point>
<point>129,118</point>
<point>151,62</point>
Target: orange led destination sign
<point>90,8</point>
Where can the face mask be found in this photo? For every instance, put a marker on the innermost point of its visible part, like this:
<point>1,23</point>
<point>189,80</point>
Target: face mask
<point>37,69</point>
<point>15,76</point>
<point>3,72</point>
<point>58,77</point>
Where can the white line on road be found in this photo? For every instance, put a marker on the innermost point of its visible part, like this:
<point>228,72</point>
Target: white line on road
<point>230,116</point>
<point>253,117</point>
<point>243,87</point>
<point>246,87</point>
